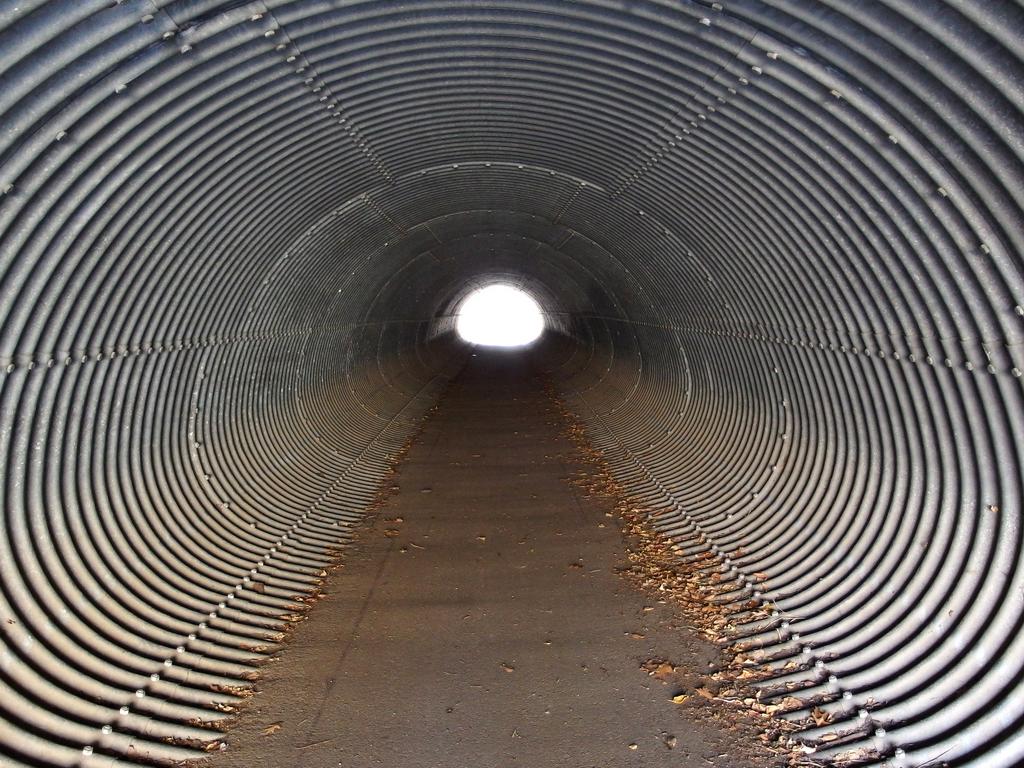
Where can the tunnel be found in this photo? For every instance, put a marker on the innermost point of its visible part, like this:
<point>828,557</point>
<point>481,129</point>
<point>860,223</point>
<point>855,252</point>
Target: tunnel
<point>776,244</point>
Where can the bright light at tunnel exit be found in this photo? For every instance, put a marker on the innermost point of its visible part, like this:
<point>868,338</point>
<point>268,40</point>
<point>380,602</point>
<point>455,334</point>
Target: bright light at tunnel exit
<point>499,316</point>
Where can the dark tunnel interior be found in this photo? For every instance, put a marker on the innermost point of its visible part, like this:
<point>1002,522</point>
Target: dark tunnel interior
<point>777,246</point>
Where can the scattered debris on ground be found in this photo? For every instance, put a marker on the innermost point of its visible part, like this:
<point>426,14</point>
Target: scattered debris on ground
<point>656,567</point>
<point>299,607</point>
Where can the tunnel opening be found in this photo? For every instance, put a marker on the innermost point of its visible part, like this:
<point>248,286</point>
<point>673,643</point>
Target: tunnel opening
<point>499,315</point>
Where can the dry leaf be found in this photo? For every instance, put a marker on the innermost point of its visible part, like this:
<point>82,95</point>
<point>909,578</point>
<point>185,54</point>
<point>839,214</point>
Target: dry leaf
<point>705,693</point>
<point>271,729</point>
<point>508,667</point>
<point>821,717</point>
<point>663,671</point>
<point>680,698</point>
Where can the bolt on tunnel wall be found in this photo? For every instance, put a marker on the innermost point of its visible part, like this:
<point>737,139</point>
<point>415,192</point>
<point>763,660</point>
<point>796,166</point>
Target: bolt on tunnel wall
<point>777,241</point>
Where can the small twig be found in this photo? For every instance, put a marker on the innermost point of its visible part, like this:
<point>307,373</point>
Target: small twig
<point>933,759</point>
<point>314,744</point>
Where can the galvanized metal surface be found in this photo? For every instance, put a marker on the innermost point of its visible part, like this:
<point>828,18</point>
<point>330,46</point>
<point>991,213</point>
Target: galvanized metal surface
<point>783,237</point>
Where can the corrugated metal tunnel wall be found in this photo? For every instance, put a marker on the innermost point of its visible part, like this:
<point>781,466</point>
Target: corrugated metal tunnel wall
<point>779,245</point>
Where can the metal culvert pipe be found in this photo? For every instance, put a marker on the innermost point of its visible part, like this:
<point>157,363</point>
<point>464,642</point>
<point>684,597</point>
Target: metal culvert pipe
<point>778,245</point>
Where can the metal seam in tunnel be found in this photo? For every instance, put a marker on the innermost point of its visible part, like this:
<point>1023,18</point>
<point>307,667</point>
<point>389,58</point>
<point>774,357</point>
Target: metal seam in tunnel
<point>777,243</point>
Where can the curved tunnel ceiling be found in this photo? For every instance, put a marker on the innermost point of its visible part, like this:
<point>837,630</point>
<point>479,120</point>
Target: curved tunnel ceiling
<point>781,240</point>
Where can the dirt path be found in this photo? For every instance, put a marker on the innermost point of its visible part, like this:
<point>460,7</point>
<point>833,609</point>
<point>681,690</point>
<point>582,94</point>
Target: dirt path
<point>480,620</point>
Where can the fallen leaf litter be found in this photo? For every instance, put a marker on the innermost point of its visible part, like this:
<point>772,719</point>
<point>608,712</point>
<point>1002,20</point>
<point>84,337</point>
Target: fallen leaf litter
<point>657,568</point>
<point>654,567</point>
<point>297,610</point>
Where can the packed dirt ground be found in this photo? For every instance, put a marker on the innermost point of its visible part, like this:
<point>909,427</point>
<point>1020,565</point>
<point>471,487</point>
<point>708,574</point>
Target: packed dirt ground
<point>505,605</point>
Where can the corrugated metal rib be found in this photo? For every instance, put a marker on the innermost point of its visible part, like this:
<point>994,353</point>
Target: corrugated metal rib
<point>781,241</point>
